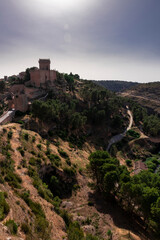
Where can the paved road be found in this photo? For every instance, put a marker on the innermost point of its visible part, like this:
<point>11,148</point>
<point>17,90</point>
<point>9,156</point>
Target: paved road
<point>119,137</point>
<point>43,98</point>
<point>6,115</point>
<point>130,120</point>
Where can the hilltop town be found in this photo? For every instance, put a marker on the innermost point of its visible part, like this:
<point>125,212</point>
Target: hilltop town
<point>29,85</point>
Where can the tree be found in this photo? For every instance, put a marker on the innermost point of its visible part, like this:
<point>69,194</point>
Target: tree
<point>149,197</point>
<point>2,86</point>
<point>110,180</point>
<point>155,210</point>
<point>106,170</point>
<point>27,75</point>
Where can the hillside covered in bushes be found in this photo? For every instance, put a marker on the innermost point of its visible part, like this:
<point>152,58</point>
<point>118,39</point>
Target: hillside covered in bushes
<point>57,180</point>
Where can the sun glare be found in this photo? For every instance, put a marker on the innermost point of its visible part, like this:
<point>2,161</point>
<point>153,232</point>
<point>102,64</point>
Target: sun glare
<point>65,5</point>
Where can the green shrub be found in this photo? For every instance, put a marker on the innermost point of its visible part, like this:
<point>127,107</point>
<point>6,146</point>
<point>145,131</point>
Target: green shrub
<point>76,187</point>
<point>57,144</point>
<point>13,179</point>
<point>25,228</point>
<point>41,224</point>
<point>78,141</point>
<point>41,227</point>
<point>109,234</point>
<point>8,154</point>
<point>4,130</point>
<point>33,152</point>
<point>24,163</point>
<point>32,161</point>
<point>40,155</point>
<point>21,151</point>
<point>87,221</point>
<point>56,202</point>
<point>71,145</point>
<point>63,153</point>
<point>129,163</point>
<point>41,192</point>
<point>66,217</point>
<point>75,232</point>
<point>70,171</point>
<point>90,203</point>
<point>5,194</point>
<point>38,161</point>
<point>1,179</point>
<point>80,170</point>
<point>20,122</point>
<point>33,139</point>
<point>68,161</point>
<point>26,136</point>
<point>55,159</point>
<point>133,133</point>
<point>39,146</point>
<point>25,195</point>
<point>31,171</point>
<point>12,226</point>
<point>10,133</point>
<point>91,237</point>
<point>4,207</point>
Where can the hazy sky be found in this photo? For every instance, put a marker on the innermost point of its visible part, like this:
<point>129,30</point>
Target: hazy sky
<point>98,39</point>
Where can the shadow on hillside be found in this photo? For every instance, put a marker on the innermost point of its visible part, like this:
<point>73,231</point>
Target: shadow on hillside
<point>60,183</point>
<point>120,218</point>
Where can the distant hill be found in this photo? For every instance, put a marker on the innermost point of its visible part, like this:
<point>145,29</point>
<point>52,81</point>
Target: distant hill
<point>115,85</point>
<point>147,94</point>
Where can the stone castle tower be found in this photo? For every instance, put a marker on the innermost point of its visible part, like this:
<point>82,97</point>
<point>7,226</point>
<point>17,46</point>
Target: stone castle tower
<point>43,77</point>
<point>44,64</point>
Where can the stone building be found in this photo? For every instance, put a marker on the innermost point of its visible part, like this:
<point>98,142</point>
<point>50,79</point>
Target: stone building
<point>43,77</point>
<point>139,166</point>
<point>18,98</point>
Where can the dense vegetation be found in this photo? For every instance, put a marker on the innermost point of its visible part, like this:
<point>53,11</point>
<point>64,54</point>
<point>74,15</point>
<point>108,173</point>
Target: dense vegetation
<point>90,104</point>
<point>139,194</point>
<point>86,105</point>
<point>150,123</point>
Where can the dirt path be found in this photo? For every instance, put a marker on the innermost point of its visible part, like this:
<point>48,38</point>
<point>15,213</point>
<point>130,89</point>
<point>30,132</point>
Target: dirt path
<point>128,94</point>
<point>119,137</point>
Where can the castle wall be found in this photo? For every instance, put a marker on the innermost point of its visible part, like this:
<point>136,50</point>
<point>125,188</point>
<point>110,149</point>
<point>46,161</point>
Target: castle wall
<point>44,76</point>
<point>17,88</point>
<point>40,77</point>
<point>53,75</point>
<point>35,78</point>
<point>21,102</point>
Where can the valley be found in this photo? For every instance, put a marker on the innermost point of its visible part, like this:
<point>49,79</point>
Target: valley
<point>55,174</point>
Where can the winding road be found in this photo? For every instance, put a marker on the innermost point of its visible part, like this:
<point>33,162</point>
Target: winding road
<point>119,137</point>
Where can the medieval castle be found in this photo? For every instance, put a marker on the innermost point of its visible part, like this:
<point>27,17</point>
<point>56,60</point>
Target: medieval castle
<point>41,79</point>
<point>43,76</point>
